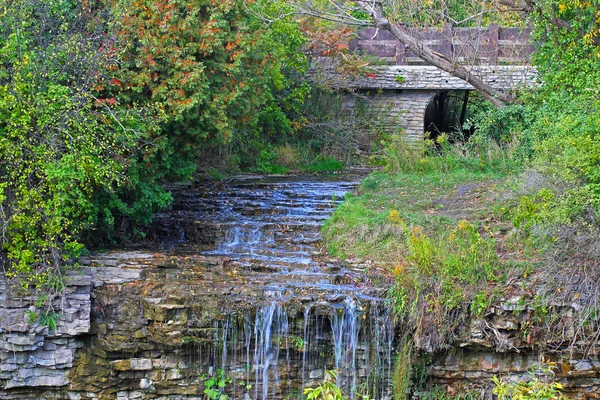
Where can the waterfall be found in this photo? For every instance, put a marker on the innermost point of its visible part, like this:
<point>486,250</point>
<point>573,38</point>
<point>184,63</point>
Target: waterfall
<point>291,321</point>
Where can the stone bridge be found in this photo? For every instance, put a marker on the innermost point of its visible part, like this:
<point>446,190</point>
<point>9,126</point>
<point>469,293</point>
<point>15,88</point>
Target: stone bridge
<point>406,93</point>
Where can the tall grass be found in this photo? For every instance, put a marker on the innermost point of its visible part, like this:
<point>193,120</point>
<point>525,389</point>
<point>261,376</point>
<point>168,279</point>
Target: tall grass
<point>399,155</point>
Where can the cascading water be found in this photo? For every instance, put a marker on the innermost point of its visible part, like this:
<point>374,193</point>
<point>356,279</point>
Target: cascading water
<point>303,313</point>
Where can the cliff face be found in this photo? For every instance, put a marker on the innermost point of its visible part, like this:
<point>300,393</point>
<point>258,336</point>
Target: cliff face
<point>241,286</point>
<point>140,335</point>
<point>35,360</point>
<point>511,340</point>
<point>157,329</point>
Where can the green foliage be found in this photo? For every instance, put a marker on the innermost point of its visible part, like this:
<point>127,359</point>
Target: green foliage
<point>61,147</point>
<point>325,164</point>
<point>297,342</point>
<point>556,131</point>
<point>398,154</point>
<point>327,390</point>
<point>214,386</point>
<point>32,316</point>
<point>480,304</point>
<point>49,319</point>
<point>402,370</point>
<point>536,388</point>
<point>442,275</point>
<point>99,106</point>
<point>568,55</point>
<point>501,127</point>
<point>368,225</point>
<point>440,266</point>
<point>217,77</point>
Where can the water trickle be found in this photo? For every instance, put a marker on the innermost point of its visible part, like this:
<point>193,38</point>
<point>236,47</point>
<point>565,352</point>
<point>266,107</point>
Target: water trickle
<point>270,327</point>
<point>345,341</point>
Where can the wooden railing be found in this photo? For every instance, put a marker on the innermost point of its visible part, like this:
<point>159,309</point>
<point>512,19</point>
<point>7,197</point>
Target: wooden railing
<point>490,45</point>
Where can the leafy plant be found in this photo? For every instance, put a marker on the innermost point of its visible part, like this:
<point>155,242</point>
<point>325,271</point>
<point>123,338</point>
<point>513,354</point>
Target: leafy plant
<point>535,388</point>
<point>327,390</point>
<point>297,342</point>
<point>31,316</point>
<point>49,319</point>
<point>63,147</point>
<point>214,386</point>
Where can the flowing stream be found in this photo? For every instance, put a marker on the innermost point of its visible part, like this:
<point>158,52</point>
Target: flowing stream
<point>305,312</point>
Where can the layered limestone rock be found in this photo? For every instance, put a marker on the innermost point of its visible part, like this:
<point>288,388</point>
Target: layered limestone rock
<point>511,341</point>
<point>266,306</point>
<point>33,356</point>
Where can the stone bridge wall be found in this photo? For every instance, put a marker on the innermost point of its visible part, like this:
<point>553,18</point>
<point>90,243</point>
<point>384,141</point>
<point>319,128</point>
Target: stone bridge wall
<point>414,77</point>
<point>393,110</point>
<point>399,95</point>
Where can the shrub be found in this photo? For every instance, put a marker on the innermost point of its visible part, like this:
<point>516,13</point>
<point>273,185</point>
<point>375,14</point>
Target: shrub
<point>535,388</point>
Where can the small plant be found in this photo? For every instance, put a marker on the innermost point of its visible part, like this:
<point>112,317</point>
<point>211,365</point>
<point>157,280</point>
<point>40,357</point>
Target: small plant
<point>328,390</point>
<point>32,316</point>
<point>214,386</point>
<point>536,388</point>
<point>400,79</point>
<point>480,304</point>
<point>297,342</point>
<point>49,319</point>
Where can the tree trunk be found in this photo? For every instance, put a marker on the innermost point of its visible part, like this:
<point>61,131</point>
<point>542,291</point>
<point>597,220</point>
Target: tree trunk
<point>495,96</point>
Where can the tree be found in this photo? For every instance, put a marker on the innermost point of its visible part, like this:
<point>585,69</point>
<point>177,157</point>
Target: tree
<point>61,147</point>
<point>394,15</point>
<point>210,71</point>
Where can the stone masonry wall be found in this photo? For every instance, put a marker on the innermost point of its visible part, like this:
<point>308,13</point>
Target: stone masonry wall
<point>401,93</point>
<point>394,109</point>
<point>418,77</point>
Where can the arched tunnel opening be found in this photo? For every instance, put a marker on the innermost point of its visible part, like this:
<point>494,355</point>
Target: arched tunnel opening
<point>446,113</point>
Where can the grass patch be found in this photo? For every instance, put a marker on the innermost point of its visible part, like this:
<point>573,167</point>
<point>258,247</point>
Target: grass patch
<point>325,164</point>
<point>361,226</point>
<point>275,169</point>
<point>435,232</point>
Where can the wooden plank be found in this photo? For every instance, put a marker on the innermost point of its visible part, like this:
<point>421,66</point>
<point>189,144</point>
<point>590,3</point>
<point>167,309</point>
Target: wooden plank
<point>491,44</point>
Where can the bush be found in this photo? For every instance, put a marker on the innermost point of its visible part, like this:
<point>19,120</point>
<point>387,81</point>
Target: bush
<point>535,388</point>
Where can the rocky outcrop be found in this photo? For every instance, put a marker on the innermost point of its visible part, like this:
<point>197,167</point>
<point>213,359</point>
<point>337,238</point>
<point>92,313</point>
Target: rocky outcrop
<point>511,341</point>
<point>252,296</point>
<point>33,357</point>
